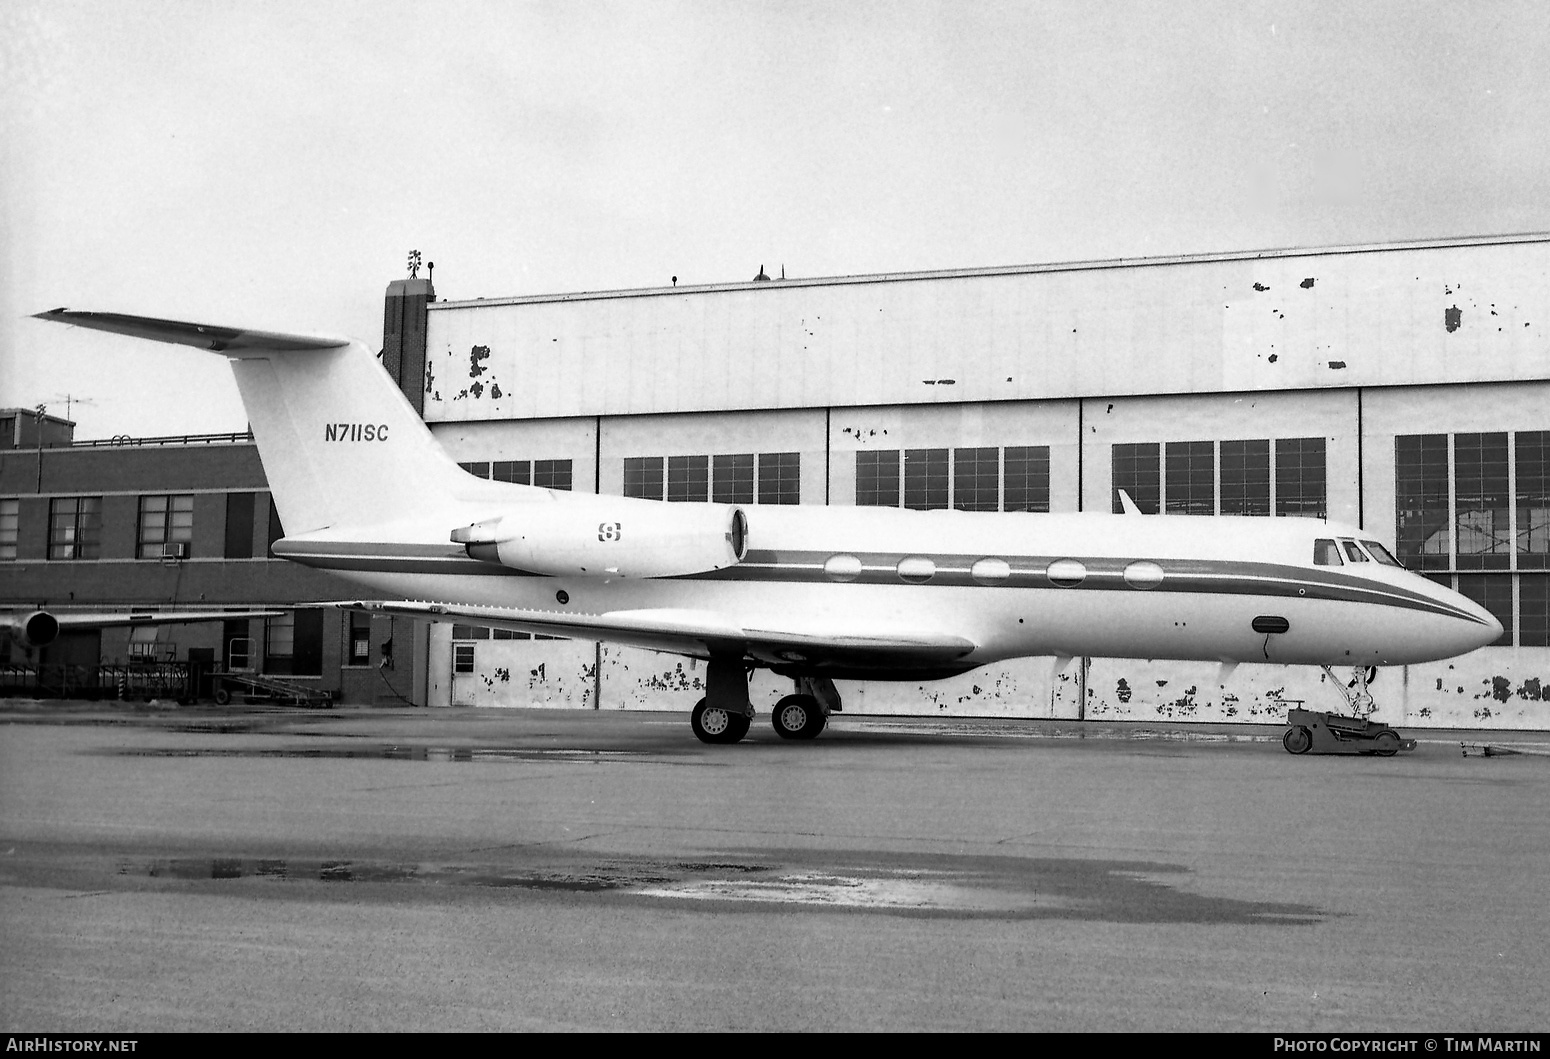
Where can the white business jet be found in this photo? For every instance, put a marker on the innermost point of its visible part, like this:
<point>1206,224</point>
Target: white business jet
<point>815,594</point>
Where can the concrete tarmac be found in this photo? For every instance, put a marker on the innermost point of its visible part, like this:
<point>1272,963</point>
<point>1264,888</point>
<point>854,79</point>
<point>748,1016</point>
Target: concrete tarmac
<point>252,869</point>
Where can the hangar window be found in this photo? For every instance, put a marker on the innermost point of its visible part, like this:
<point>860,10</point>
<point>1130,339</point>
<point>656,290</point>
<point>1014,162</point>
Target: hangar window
<point>1495,595</point>
<point>1531,497</point>
<point>732,478</point>
<point>1534,610</point>
<point>463,658</point>
<point>1423,527</point>
<point>1245,472</point>
<point>877,479</point>
<point>480,469</point>
<point>1482,524</point>
<point>780,478</point>
<point>552,474</point>
<point>10,515</point>
<point>75,527</point>
<point>166,522</point>
<point>925,479</point>
<point>1135,469</point>
<point>1189,469</point>
<point>1027,478</point>
<point>240,508</point>
<point>688,478</point>
<point>1300,486</point>
<point>977,479</point>
<point>518,472</point>
<point>643,477</point>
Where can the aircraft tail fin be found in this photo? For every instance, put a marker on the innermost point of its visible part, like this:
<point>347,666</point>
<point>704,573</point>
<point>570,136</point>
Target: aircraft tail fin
<point>341,445</point>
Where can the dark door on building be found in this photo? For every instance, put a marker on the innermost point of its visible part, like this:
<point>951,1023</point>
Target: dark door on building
<point>75,647</point>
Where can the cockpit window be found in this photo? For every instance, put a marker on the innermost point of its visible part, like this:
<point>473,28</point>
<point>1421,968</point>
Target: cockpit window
<point>1352,552</point>
<point>1382,554</point>
<point>1326,554</point>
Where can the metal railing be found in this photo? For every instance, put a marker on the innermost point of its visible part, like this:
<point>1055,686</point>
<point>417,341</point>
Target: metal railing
<point>124,440</point>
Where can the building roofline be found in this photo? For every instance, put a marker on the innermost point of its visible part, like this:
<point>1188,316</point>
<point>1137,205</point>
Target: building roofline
<point>1000,270</point>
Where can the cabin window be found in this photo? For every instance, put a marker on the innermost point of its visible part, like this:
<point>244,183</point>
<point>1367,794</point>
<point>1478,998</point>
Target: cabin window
<point>1353,552</point>
<point>1382,554</point>
<point>1325,553</point>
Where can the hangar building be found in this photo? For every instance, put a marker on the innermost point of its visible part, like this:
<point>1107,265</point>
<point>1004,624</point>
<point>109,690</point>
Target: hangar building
<point>1399,387</point>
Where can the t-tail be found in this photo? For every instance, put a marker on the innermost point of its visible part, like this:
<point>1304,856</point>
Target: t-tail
<point>340,444</point>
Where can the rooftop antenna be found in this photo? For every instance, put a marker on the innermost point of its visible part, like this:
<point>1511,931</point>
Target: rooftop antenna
<point>414,263</point>
<point>69,400</point>
<point>430,272</point>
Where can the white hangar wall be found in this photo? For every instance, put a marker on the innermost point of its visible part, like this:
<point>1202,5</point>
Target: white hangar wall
<point>1442,339</point>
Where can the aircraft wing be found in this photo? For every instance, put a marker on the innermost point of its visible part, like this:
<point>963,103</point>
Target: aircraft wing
<point>700,633</point>
<point>38,628</point>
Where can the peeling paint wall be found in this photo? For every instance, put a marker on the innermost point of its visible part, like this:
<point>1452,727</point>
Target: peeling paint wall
<point>1450,313</point>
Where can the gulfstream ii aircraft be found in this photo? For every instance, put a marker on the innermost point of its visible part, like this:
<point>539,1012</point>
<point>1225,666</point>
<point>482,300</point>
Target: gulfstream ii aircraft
<point>816,594</point>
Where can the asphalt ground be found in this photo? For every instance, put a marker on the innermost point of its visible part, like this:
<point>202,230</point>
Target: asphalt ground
<point>253,869</point>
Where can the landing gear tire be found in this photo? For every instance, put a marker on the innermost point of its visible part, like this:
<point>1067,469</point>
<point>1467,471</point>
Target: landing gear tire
<point>1386,743</point>
<point>712,724</point>
<point>798,717</point>
<point>1299,740</point>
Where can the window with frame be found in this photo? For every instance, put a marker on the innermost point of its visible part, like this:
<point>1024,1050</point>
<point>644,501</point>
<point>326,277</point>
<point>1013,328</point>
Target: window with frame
<point>1423,525</point>
<point>1481,522</point>
<point>1026,471</point>
<point>1531,497</point>
<point>478,468</point>
<point>731,478</point>
<point>1534,610</point>
<point>10,524</point>
<point>977,479</point>
<point>1300,477</point>
<point>164,520</point>
<point>1136,469</point>
<point>518,472</point>
<point>688,478</point>
<point>877,478</point>
<point>780,478</point>
<point>552,474</point>
<point>925,479</point>
<point>643,477</point>
<point>1245,477</point>
<point>293,643</point>
<point>75,527</point>
<point>360,638</point>
<point>1494,593</point>
<point>1189,469</point>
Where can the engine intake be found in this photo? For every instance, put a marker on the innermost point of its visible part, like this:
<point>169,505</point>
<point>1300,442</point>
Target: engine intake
<point>610,537</point>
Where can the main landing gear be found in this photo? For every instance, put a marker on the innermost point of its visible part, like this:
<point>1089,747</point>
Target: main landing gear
<point>1309,731</point>
<point>725,714</point>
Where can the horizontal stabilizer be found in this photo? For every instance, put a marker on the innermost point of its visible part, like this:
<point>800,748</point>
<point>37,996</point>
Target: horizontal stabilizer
<point>200,336</point>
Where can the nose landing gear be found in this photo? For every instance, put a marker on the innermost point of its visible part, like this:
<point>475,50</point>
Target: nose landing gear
<point>1309,731</point>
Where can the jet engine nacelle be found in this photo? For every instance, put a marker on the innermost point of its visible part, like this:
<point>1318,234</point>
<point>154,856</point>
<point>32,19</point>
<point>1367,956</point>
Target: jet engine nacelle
<point>37,629</point>
<point>629,540</point>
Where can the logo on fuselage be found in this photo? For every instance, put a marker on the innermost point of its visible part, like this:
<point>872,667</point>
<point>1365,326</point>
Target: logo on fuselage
<point>355,431</point>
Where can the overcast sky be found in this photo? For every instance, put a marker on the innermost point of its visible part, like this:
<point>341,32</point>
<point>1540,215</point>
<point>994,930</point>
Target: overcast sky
<point>272,164</point>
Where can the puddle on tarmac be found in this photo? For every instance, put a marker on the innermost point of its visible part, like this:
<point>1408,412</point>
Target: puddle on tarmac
<point>898,884</point>
<point>394,753</point>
